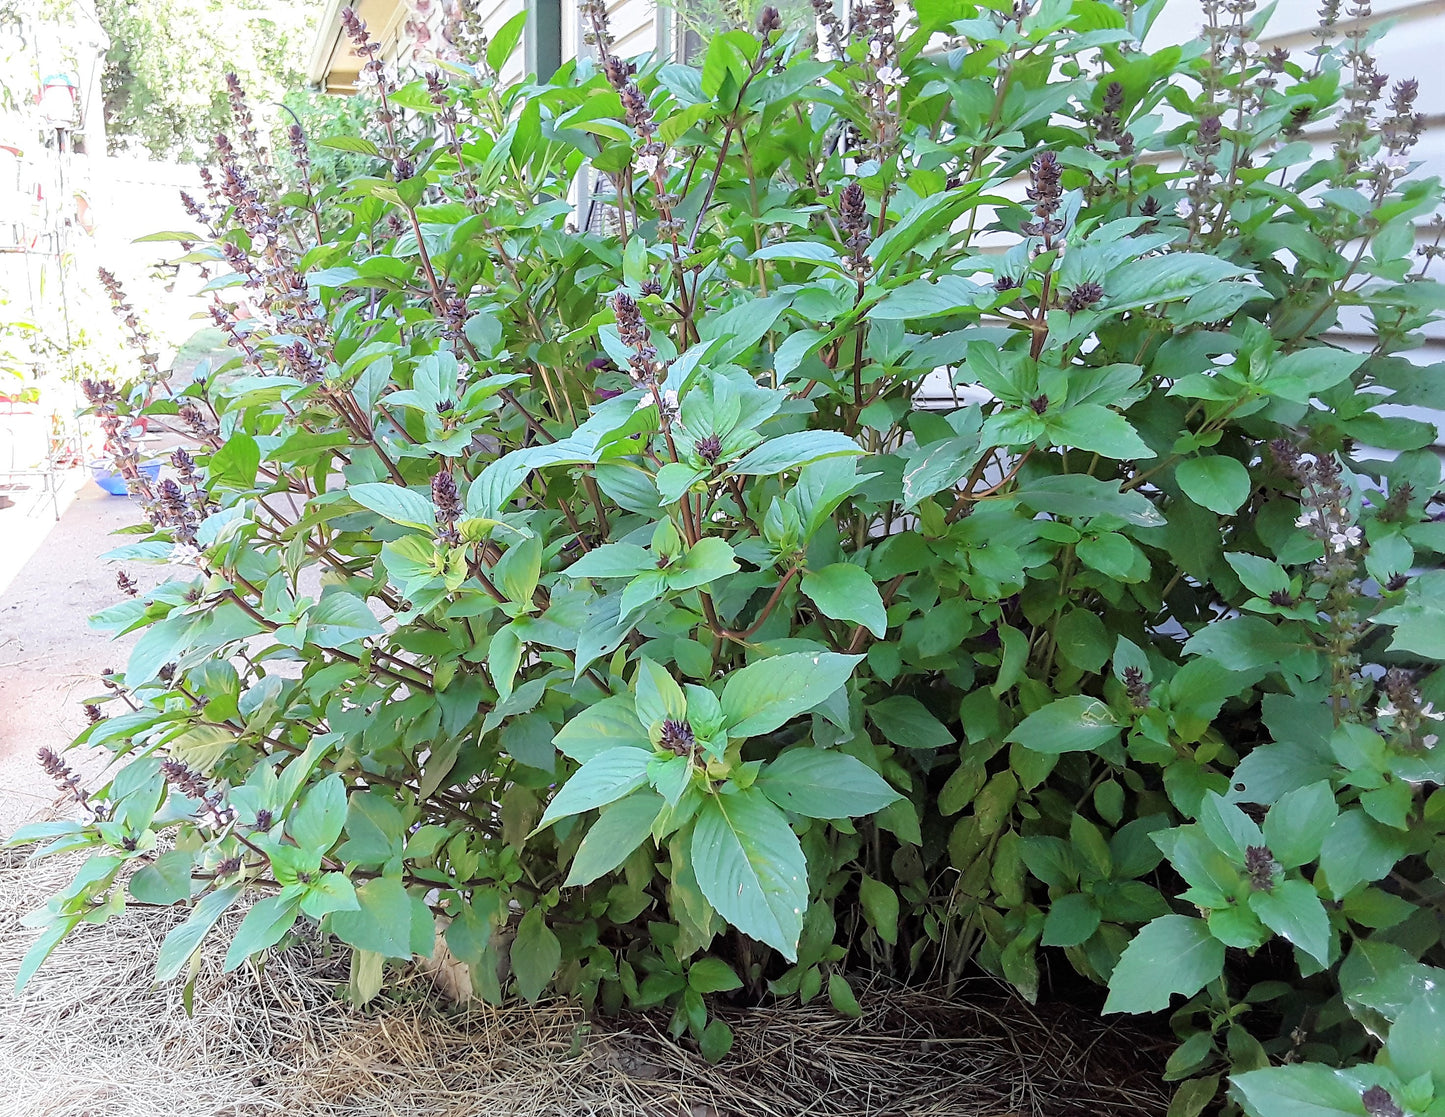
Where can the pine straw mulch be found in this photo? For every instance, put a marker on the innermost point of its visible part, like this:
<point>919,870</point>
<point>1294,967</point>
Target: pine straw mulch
<point>90,1037</point>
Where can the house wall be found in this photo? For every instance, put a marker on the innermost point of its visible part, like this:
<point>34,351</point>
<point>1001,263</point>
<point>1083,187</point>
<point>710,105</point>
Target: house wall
<point>636,27</point>
<point>1411,49</point>
<point>640,27</point>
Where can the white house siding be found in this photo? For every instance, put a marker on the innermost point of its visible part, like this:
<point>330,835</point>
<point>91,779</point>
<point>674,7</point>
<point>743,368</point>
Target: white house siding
<point>634,23</point>
<point>494,15</point>
<point>1410,49</point>
<point>634,27</point>
<point>421,36</point>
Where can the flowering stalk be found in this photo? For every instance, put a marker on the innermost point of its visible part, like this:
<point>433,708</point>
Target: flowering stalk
<point>1362,94</point>
<point>1324,32</point>
<point>1399,133</point>
<point>853,218</point>
<point>465,36</point>
<point>1410,724</point>
<point>136,335</point>
<point>448,119</point>
<point>875,22</point>
<point>301,157</point>
<point>643,366</point>
<point>374,70</point>
<point>68,780</point>
<point>245,127</point>
<point>447,501</point>
<point>1046,191</point>
<point>1198,203</point>
<point>619,73</point>
<point>207,215</point>
<point>119,447</point>
<point>832,29</point>
<point>193,785</point>
<point>1325,515</point>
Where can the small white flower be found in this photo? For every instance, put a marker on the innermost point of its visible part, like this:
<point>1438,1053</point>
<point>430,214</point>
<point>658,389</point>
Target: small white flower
<point>218,820</point>
<point>1184,209</point>
<point>651,165</point>
<point>1387,711</point>
<point>183,554</point>
<point>669,402</point>
<point>891,76</point>
<point>1305,520</point>
<point>1428,711</point>
<point>1395,163</point>
<point>1343,539</point>
<point>1430,741</point>
<point>877,48</point>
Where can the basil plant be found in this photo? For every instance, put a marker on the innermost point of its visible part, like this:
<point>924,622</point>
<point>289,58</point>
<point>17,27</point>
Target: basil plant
<point>941,493</point>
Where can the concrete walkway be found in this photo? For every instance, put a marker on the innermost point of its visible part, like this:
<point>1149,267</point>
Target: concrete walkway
<point>49,657</point>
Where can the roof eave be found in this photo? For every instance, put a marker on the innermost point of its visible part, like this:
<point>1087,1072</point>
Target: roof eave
<point>323,47</point>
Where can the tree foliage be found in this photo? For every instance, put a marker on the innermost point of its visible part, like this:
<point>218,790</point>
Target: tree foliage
<point>162,82</point>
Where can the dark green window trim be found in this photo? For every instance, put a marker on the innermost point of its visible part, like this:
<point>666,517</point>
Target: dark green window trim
<point>542,42</point>
<point>665,47</point>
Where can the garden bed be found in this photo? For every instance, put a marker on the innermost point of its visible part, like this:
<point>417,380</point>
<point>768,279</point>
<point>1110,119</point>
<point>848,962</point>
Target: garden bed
<point>91,1036</point>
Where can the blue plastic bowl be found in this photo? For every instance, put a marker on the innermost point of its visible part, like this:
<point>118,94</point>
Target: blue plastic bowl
<point>114,483</point>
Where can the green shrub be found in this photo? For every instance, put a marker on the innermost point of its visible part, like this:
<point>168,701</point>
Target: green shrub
<point>920,522</point>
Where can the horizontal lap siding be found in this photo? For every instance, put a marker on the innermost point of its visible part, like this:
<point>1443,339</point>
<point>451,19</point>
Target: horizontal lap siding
<point>634,27</point>
<point>1410,50</point>
<point>1293,20</point>
<point>494,17</point>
